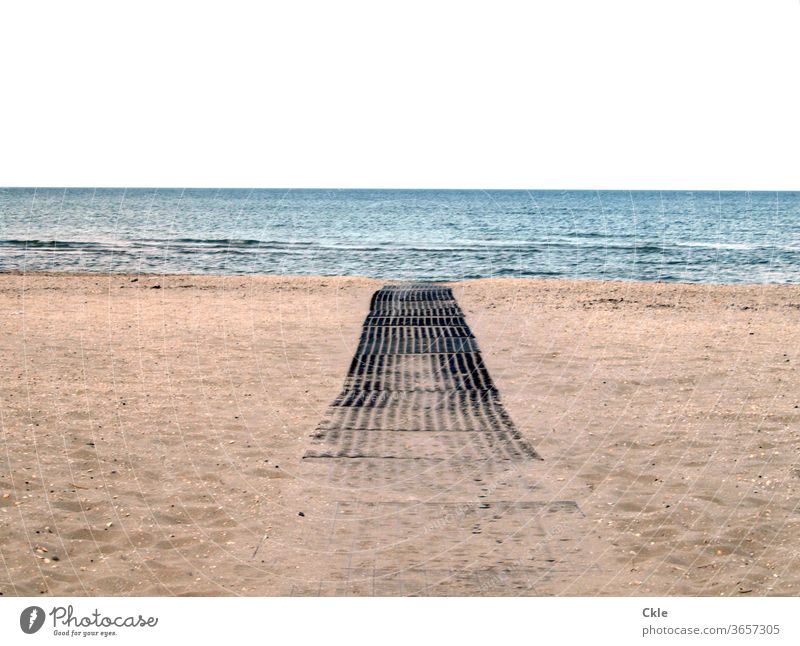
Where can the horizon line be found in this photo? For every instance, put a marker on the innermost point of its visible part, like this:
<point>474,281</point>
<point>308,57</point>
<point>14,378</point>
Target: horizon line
<point>350,188</point>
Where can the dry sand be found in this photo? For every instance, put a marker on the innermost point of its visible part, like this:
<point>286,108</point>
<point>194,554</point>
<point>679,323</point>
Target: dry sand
<point>152,438</point>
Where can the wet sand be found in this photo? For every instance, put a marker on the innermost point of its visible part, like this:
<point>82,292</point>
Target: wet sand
<point>152,439</point>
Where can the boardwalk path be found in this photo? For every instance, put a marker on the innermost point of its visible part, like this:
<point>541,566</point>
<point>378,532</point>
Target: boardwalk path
<point>422,481</point>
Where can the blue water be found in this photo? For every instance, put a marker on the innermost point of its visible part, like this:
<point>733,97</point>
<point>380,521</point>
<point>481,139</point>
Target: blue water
<point>406,234</point>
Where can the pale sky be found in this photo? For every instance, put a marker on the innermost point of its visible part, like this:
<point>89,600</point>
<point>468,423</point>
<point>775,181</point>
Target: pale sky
<point>590,94</point>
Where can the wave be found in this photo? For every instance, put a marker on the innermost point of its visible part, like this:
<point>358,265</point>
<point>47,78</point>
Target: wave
<point>52,244</point>
<point>729,246</point>
<point>245,246</point>
<point>234,242</point>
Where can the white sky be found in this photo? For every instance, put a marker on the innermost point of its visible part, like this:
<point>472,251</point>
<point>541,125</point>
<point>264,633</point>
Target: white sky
<point>493,94</point>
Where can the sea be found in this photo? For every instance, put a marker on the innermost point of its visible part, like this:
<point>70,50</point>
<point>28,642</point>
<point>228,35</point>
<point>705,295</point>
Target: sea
<point>427,235</point>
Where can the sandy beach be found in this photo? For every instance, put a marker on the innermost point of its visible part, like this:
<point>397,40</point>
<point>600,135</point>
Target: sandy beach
<point>153,430</point>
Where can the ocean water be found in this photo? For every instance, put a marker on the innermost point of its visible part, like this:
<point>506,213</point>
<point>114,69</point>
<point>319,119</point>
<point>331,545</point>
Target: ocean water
<point>701,237</point>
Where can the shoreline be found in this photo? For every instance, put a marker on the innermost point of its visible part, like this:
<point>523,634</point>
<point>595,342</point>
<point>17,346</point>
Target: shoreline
<point>456,282</point>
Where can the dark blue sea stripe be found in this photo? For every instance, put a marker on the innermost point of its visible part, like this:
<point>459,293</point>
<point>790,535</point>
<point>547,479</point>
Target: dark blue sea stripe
<point>417,388</point>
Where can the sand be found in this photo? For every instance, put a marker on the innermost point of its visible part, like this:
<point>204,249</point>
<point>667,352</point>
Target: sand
<point>152,439</point>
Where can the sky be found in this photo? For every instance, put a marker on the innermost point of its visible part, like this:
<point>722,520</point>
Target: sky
<point>640,94</point>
